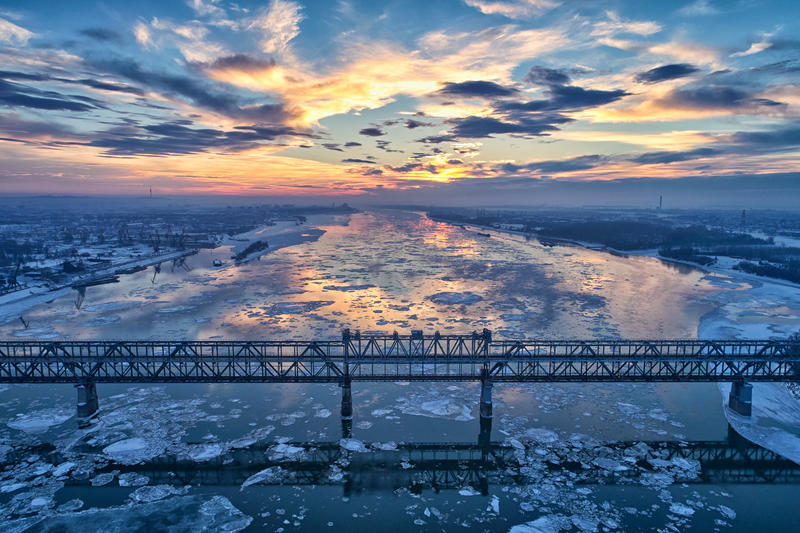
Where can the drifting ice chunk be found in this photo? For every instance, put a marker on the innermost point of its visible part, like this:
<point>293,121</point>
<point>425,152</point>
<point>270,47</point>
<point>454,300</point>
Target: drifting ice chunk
<point>681,509</point>
<point>184,513</point>
<point>11,487</point>
<point>544,524</point>
<point>445,408</point>
<point>63,468</point>
<point>286,452</point>
<point>125,446</point>
<point>269,475</point>
<point>545,436</point>
<point>110,306</point>
<point>205,452</point>
<point>455,298</point>
<point>70,506</point>
<point>39,421</point>
<point>336,474</point>
<point>516,444</point>
<point>176,309</point>
<point>40,502</point>
<point>585,524</point>
<point>609,464</point>
<point>102,479</point>
<point>23,524</point>
<point>132,479</point>
<point>347,288</point>
<point>494,505</point>
<point>153,493</point>
<point>727,512</point>
<point>353,445</point>
<point>102,321</point>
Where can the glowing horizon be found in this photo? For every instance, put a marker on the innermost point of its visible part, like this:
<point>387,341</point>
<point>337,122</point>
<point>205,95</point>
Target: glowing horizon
<point>378,100</point>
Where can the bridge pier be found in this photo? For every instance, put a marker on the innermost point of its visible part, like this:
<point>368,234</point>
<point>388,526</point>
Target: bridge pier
<point>347,399</point>
<point>740,400</point>
<point>485,434</point>
<point>87,403</point>
<point>486,395</point>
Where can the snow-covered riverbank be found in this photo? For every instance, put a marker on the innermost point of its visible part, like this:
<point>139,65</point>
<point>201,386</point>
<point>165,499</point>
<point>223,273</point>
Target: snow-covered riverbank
<point>281,235</point>
<point>749,311</point>
<point>14,304</point>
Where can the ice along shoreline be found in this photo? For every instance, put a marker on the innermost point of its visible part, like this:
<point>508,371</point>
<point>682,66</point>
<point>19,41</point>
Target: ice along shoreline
<point>281,235</point>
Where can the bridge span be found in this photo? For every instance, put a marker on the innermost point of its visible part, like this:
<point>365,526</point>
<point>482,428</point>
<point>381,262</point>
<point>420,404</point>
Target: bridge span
<point>414,357</point>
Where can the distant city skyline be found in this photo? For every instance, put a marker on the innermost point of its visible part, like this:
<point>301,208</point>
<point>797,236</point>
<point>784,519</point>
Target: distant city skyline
<point>458,101</point>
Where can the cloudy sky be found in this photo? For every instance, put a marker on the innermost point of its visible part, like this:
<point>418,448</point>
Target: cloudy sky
<point>385,99</point>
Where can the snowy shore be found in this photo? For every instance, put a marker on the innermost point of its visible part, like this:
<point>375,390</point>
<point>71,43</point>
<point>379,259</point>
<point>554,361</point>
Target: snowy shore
<point>14,304</point>
<point>760,311</point>
<point>281,235</point>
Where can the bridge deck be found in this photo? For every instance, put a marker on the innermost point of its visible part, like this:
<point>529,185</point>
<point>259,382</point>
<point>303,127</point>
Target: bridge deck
<point>413,357</point>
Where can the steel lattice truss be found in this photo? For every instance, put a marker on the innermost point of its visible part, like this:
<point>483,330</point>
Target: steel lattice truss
<point>398,357</point>
<point>454,466</point>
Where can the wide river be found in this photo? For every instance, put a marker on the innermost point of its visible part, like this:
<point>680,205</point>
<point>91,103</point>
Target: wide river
<point>582,457</point>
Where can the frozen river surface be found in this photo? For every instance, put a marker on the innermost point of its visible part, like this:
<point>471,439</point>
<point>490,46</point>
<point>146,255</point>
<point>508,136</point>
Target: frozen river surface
<point>583,457</point>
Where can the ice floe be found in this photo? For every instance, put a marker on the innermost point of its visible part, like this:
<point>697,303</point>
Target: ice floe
<point>205,452</point>
<point>352,445</point>
<point>40,421</point>
<point>455,298</point>
<point>182,513</point>
<point>285,452</point>
<point>268,475</point>
<point>123,448</point>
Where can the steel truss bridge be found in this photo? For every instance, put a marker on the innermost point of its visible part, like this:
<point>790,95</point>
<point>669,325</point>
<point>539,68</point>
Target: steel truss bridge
<point>414,357</point>
<point>442,466</point>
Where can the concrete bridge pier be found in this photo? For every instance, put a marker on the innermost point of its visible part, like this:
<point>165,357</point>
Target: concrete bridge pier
<point>485,435</point>
<point>486,394</point>
<point>87,403</point>
<point>740,399</point>
<point>347,399</point>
